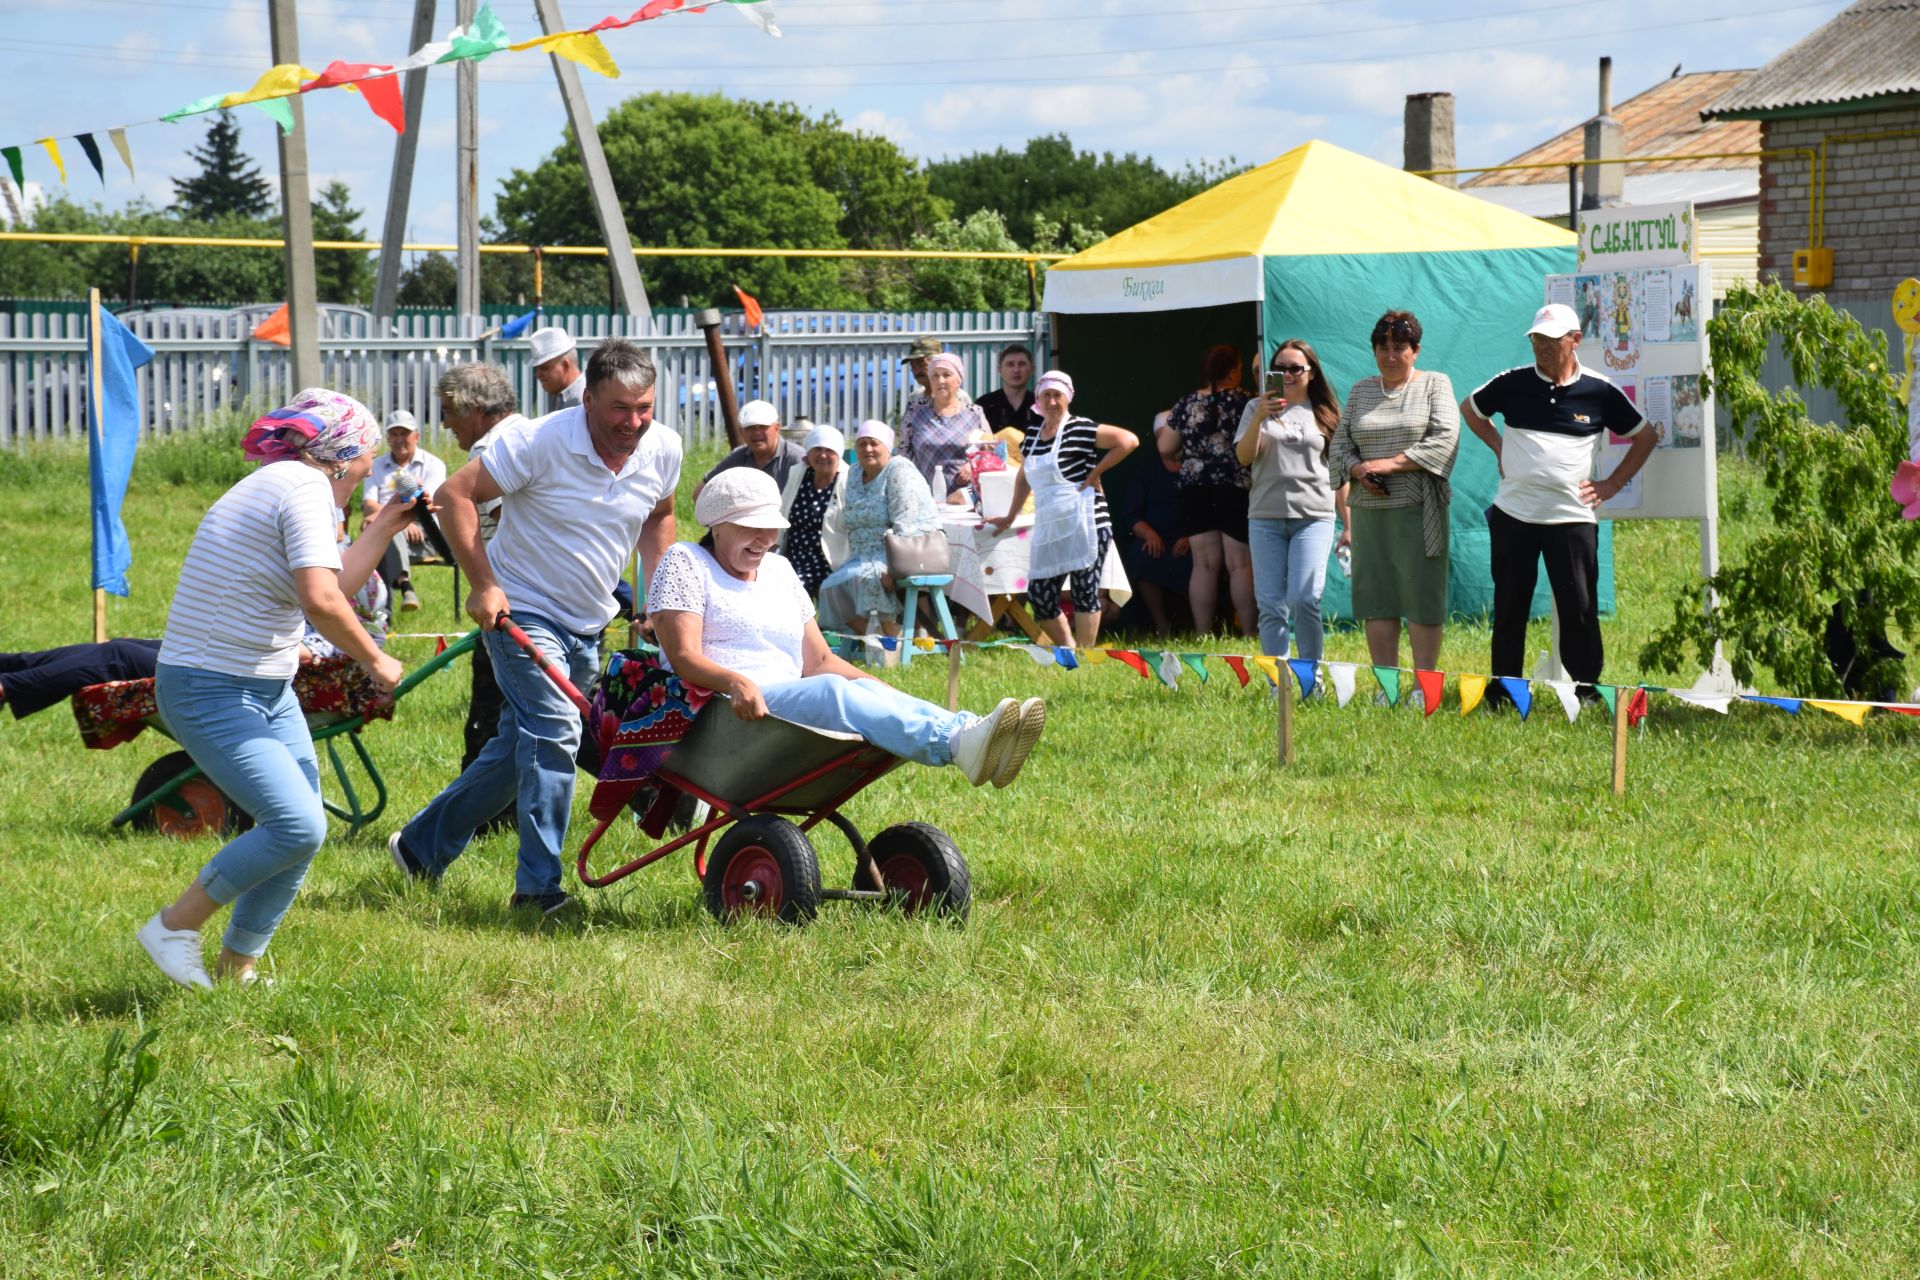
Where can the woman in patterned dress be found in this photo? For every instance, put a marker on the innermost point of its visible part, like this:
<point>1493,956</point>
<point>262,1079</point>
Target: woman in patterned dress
<point>885,494</point>
<point>1213,487</point>
<point>936,431</point>
<point>811,502</point>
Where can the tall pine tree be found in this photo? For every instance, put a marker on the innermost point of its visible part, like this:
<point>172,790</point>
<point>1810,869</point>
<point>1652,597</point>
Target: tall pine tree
<point>228,184</point>
<point>342,275</point>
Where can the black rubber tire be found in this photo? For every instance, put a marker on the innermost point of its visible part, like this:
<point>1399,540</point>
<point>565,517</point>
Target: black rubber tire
<point>750,848</point>
<point>931,860</point>
<point>199,808</point>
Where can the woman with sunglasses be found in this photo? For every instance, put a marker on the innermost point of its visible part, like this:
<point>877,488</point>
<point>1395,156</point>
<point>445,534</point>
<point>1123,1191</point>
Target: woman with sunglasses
<point>1396,440</point>
<point>1283,439</point>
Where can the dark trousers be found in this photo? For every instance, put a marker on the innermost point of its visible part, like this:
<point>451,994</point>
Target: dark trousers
<point>1572,554</point>
<point>35,681</point>
<point>483,725</point>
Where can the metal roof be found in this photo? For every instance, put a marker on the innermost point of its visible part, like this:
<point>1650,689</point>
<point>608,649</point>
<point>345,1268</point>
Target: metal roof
<point>1661,121</point>
<point>1869,50</point>
<point>1703,187</point>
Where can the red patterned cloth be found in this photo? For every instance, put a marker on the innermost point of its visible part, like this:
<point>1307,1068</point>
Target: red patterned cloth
<point>329,690</point>
<point>641,710</point>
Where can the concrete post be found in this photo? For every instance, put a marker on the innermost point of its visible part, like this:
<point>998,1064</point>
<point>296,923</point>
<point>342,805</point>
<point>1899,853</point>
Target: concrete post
<point>296,211</point>
<point>386,289</point>
<point>467,177</point>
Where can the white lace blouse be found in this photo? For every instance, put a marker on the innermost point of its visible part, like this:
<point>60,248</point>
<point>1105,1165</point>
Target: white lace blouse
<point>754,628</point>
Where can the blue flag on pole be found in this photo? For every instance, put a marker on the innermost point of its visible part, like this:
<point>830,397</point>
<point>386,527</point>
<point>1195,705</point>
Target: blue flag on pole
<point>519,324</point>
<point>113,430</point>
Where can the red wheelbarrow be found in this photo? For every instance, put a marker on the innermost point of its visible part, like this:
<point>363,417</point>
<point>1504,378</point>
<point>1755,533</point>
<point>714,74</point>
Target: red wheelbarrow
<point>767,783</point>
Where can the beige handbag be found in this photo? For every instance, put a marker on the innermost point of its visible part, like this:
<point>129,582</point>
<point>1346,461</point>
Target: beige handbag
<point>917,555</point>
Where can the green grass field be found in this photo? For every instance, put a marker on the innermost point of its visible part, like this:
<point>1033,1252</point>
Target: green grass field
<point>1435,1002</point>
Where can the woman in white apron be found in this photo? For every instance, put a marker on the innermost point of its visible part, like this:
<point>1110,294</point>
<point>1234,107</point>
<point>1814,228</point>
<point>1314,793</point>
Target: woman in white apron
<point>1063,458</point>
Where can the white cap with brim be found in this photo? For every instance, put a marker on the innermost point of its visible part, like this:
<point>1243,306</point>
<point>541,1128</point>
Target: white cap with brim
<point>548,344</point>
<point>740,495</point>
<point>401,418</point>
<point>824,436</point>
<point>1555,320</point>
<point>758,413</point>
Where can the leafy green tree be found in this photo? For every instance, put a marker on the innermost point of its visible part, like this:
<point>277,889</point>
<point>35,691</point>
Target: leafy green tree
<point>977,285</point>
<point>433,281</point>
<point>167,274</point>
<point>1837,547</point>
<point>1048,181</point>
<point>341,275</point>
<point>228,184</point>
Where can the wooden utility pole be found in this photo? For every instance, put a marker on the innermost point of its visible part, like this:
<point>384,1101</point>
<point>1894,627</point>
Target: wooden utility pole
<point>466,80</point>
<point>296,210</point>
<point>386,289</point>
<point>629,294</point>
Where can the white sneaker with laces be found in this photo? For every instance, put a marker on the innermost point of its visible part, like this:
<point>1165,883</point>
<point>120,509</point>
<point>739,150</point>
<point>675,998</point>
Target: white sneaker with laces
<point>176,951</point>
<point>979,749</point>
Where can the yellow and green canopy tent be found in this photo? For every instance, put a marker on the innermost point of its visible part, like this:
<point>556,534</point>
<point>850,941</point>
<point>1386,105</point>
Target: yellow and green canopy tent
<point>1315,245</point>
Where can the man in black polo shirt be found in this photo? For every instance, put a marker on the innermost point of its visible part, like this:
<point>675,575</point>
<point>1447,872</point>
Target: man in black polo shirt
<point>1557,415</point>
<point>1013,404</point>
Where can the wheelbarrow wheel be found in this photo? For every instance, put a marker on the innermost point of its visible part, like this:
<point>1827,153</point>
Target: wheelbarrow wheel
<point>197,808</point>
<point>763,865</point>
<point>923,869</point>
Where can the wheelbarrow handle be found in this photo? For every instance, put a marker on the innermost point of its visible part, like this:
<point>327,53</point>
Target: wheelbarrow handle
<point>502,622</point>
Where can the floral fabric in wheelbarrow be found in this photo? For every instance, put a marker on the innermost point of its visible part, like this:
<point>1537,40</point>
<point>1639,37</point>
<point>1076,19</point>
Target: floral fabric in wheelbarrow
<point>641,710</point>
<point>329,689</point>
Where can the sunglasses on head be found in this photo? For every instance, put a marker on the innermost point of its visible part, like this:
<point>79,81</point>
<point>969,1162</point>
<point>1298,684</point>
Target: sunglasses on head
<point>1398,328</point>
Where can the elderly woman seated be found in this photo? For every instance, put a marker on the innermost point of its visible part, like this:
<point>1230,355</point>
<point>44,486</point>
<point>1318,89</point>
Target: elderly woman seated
<point>884,495</point>
<point>732,617</point>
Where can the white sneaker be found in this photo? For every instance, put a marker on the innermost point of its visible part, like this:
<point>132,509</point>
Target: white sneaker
<point>979,749</point>
<point>176,951</point>
<point>1033,719</point>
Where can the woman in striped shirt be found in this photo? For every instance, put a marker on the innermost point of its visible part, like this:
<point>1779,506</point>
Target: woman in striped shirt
<point>263,557</point>
<point>1062,460</point>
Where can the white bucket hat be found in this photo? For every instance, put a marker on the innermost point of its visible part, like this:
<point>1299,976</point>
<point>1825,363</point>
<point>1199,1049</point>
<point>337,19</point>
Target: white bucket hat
<point>549,343</point>
<point>740,495</point>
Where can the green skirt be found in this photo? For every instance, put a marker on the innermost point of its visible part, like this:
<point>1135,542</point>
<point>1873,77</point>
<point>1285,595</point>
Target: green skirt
<point>1393,577</point>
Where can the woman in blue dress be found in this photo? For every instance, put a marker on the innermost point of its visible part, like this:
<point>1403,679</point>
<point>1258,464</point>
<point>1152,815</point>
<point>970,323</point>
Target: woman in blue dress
<point>884,494</point>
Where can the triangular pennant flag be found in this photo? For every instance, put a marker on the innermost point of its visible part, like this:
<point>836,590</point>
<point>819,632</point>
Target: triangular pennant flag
<point>1707,701</point>
<point>53,153</point>
<point>1167,667</point>
<point>1902,708</point>
<point>1789,705</point>
<point>1433,687</point>
<point>92,148</point>
<point>1132,659</point>
<point>1521,693</point>
<point>118,137</point>
<point>924,644</point>
<point>1854,713</point>
<point>517,326</point>
<point>1307,672</point>
<point>1389,678</point>
<point>1342,674</point>
<point>1197,663</point>
<point>1092,657</point>
<point>481,38</point>
<point>755,316</point>
<point>1472,689</point>
<point>439,646</point>
<point>759,13</point>
<point>1270,668</point>
<point>1636,707</point>
<point>1610,696</point>
<point>1064,656</point>
<point>373,81</point>
<point>582,47</point>
<point>13,166</point>
<point>209,103</point>
<point>1569,694</point>
<point>1237,665</point>
<point>278,110</point>
<point>1041,655</point>
<point>277,327</point>
<point>890,643</point>
<point>277,82</point>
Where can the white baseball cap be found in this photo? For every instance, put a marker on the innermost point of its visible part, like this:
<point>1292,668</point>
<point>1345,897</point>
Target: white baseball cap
<point>546,344</point>
<point>401,418</point>
<point>758,413</point>
<point>1555,320</point>
<point>825,436</point>
<point>740,495</point>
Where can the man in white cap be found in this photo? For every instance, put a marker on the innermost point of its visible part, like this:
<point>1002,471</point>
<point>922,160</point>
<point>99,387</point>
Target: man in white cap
<point>1558,413</point>
<point>765,448</point>
<point>555,367</point>
<point>403,455</point>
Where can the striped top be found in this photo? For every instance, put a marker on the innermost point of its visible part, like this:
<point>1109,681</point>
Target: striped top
<point>1419,418</point>
<point>1079,446</point>
<point>235,610</point>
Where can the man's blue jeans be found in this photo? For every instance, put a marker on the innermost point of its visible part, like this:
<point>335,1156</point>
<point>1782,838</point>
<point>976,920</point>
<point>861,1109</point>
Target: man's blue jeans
<point>529,763</point>
<point>1289,577</point>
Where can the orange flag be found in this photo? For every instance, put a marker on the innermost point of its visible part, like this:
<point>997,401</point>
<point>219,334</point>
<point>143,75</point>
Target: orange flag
<point>755,316</point>
<point>276,328</point>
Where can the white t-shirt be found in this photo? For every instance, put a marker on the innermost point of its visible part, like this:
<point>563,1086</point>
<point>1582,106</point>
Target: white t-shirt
<point>755,628</point>
<point>427,471</point>
<point>490,511</point>
<point>235,610</point>
<point>567,523</point>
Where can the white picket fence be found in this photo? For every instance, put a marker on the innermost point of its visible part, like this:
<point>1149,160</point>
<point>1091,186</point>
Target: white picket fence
<point>831,366</point>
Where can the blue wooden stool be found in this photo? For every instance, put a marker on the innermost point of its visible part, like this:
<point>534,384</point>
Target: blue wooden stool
<point>935,585</point>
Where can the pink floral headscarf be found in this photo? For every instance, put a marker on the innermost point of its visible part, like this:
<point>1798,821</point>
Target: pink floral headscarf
<point>320,424</point>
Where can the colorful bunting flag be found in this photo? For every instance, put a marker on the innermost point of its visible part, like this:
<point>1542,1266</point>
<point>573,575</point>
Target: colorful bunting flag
<point>1707,701</point>
<point>119,139</point>
<point>1389,680</point>
<point>1092,657</point>
<point>1854,713</point>
<point>1789,705</point>
<point>92,148</point>
<point>1521,693</point>
<point>1167,667</point>
<point>373,81</point>
<point>480,39</point>
<point>1041,655</point>
<point>13,166</point>
<point>278,110</point>
<point>517,326</point>
<point>1066,659</point>
<point>276,328</point>
<point>53,153</point>
<point>209,103</point>
<point>1197,663</point>
<point>1472,690</point>
<point>755,317</point>
<point>759,13</point>
<point>1132,659</point>
<point>1569,694</point>
<point>1610,696</point>
<point>582,47</point>
<point>1433,687</point>
<point>1307,672</point>
<point>1237,665</point>
<point>1270,668</point>
<point>1636,707</point>
<point>276,82</point>
<point>1342,674</point>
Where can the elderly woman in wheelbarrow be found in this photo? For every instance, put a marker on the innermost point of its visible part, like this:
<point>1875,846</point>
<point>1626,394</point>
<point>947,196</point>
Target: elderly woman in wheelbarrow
<point>732,617</point>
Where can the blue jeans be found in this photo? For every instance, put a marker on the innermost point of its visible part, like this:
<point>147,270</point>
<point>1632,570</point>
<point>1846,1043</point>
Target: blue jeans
<point>907,726</point>
<point>528,763</point>
<point>250,737</point>
<point>1289,577</point>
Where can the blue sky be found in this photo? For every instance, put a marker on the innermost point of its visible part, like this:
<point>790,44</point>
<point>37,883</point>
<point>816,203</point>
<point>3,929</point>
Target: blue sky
<point>1174,79</point>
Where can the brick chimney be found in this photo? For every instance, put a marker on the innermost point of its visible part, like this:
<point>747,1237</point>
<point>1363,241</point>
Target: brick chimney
<point>1604,184</point>
<point>1429,135</point>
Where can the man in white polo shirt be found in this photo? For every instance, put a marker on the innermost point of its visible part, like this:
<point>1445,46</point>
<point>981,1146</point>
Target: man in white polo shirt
<point>1557,413</point>
<point>578,489</point>
<point>556,367</point>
